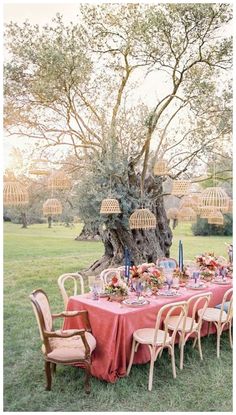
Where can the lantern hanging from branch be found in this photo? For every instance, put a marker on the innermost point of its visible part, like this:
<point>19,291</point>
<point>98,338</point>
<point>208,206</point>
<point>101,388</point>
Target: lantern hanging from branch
<point>216,218</point>
<point>230,207</point>
<point>52,207</point>
<point>160,168</point>
<point>187,214</point>
<point>180,187</point>
<point>39,167</point>
<point>188,201</point>
<point>215,198</point>
<point>142,219</point>
<point>14,193</point>
<point>172,213</point>
<point>110,206</point>
<point>59,180</point>
<point>205,212</point>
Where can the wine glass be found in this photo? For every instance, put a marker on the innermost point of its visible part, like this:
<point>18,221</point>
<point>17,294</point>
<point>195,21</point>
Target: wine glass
<point>169,278</point>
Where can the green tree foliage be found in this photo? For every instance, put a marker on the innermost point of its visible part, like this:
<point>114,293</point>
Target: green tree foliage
<point>203,228</point>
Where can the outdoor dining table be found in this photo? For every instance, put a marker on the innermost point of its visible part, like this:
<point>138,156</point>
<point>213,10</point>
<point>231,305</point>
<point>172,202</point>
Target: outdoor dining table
<point>113,325</point>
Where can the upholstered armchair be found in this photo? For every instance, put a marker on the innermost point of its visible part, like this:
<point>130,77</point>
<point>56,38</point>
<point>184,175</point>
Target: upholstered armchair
<point>68,347</point>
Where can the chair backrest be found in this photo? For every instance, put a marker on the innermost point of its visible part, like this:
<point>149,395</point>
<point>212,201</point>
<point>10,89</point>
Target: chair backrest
<point>166,311</point>
<point>107,274</point>
<point>167,263</point>
<point>42,311</point>
<point>196,302</point>
<point>75,278</point>
<point>228,296</point>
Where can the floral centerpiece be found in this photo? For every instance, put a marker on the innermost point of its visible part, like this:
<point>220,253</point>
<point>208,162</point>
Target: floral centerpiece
<point>208,265</point>
<point>149,275</point>
<point>182,275</point>
<point>117,289</point>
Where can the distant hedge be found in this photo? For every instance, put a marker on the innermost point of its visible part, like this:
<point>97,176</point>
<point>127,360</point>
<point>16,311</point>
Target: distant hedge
<point>203,228</point>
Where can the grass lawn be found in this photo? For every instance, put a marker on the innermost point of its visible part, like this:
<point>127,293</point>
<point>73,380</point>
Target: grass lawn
<point>34,258</point>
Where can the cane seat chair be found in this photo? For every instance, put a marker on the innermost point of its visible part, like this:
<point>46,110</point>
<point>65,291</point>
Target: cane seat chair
<point>68,347</point>
<point>190,326</point>
<point>220,318</point>
<point>167,263</point>
<point>77,280</point>
<point>157,339</point>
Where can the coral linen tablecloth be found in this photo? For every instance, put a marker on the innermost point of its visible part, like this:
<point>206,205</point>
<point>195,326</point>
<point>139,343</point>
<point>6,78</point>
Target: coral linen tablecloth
<point>113,326</point>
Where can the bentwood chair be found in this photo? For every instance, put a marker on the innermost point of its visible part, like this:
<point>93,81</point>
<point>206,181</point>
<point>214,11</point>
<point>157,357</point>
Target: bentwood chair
<point>68,347</point>
<point>220,317</point>
<point>190,326</point>
<point>107,274</point>
<point>167,263</point>
<point>76,278</point>
<point>157,339</point>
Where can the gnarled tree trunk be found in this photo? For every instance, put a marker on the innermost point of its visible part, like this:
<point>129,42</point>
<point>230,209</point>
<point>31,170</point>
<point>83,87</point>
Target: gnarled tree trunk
<point>144,245</point>
<point>24,220</point>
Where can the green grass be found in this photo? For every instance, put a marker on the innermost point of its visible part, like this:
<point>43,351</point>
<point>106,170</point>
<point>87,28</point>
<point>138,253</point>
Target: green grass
<point>34,258</point>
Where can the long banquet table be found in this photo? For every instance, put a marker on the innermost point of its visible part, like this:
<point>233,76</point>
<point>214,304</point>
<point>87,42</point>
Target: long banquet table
<point>113,326</point>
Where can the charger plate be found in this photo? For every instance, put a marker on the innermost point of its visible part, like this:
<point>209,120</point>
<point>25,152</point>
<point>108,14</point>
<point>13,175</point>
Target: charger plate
<point>168,294</point>
<point>196,287</point>
<point>135,303</point>
<point>221,282</point>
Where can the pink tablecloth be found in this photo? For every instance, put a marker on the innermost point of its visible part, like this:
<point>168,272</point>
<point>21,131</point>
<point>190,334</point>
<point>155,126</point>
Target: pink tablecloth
<point>113,327</point>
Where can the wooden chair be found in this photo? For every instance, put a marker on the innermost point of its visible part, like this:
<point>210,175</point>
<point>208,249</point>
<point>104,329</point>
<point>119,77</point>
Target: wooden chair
<point>190,326</point>
<point>220,318</point>
<point>76,278</point>
<point>68,347</point>
<point>167,263</point>
<point>157,339</point>
<point>107,274</point>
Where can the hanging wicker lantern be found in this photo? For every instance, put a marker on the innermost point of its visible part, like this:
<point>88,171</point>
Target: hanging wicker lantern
<point>180,187</point>
<point>188,201</point>
<point>172,213</point>
<point>230,207</point>
<point>52,207</point>
<point>215,198</point>
<point>187,214</point>
<point>59,180</point>
<point>160,168</point>
<point>110,206</point>
<point>205,212</point>
<point>142,219</point>
<point>39,167</point>
<point>14,193</point>
<point>216,218</point>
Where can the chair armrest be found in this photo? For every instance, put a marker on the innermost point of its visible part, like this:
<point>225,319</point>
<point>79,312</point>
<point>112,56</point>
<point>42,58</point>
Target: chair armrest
<point>83,313</point>
<point>64,333</point>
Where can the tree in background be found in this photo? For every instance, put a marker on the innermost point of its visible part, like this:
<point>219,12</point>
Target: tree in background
<point>76,87</point>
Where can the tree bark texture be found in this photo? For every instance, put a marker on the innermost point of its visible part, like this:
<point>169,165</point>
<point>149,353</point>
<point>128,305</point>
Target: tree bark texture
<point>144,245</point>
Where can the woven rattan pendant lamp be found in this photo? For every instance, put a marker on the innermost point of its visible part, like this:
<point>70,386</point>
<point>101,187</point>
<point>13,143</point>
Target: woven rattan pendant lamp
<point>215,198</point>
<point>230,207</point>
<point>187,214</point>
<point>110,205</point>
<point>14,193</point>
<point>52,207</point>
<point>180,187</point>
<point>39,167</point>
<point>160,168</point>
<point>188,201</point>
<point>172,213</point>
<point>142,219</point>
<point>216,218</point>
<point>59,180</point>
<point>204,213</point>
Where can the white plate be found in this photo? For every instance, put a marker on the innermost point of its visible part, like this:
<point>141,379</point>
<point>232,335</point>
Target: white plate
<point>168,294</point>
<point>194,287</point>
<point>221,282</point>
<point>135,303</point>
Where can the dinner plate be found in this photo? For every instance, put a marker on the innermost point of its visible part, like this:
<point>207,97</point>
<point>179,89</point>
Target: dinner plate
<point>168,294</point>
<point>196,287</point>
<point>221,282</point>
<point>135,303</point>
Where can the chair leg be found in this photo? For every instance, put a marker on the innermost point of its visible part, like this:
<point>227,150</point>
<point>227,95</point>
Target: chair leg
<point>195,341</point>
<point>87,386</point>
<point>53,367</point>
<point>181,363</point>
<point>131,357</point>
<point>173,361</point>
<point>218,343</point>
<point>150,379</point>
<point>209,328</point>
<point>230,335</point>
<point>199,345</point>
<point>48,375</point>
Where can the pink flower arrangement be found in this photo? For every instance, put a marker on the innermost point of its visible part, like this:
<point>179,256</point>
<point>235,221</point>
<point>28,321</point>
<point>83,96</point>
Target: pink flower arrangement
<point>147,273</point>
<point>207,261</point>
<point>116,286</point>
